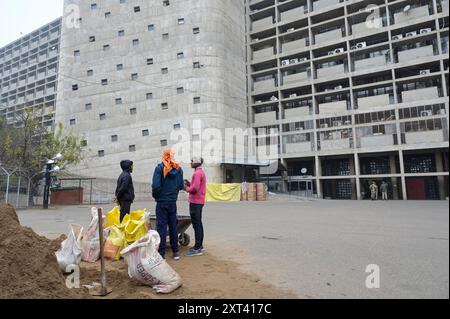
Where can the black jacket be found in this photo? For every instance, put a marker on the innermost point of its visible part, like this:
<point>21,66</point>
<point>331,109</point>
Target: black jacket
<point>125,188</point>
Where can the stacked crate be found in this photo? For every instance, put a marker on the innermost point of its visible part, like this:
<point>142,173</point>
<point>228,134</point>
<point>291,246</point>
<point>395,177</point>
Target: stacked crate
<point>261,194</point>
<point>253,192</point>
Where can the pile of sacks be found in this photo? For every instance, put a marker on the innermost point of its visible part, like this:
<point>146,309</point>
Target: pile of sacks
<point>131,239</point>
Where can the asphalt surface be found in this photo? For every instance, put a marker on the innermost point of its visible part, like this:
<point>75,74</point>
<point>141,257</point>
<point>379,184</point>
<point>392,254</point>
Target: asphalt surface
<point>318,249</point>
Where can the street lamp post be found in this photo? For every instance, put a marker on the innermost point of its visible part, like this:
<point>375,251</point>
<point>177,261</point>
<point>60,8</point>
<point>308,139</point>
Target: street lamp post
<point>49,168</point>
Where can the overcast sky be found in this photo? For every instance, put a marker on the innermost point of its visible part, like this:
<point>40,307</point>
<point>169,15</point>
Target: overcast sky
<point>25,16</point>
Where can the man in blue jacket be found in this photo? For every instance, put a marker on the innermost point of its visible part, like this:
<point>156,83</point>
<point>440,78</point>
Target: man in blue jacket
<point>125,189</point>
<point>167,183</point>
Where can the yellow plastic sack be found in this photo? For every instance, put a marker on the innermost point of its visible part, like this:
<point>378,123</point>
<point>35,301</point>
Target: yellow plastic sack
<point>113,217</point>
<point>223,192</point>
<point>115,243</point>
<point>135,230</point>
<point>137,214</point>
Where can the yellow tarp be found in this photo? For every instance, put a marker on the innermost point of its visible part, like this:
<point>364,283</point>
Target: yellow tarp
<point>223,192</point>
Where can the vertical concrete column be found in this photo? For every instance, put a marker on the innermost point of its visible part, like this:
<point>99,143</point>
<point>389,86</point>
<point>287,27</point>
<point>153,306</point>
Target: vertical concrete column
<point>440,168</point>
<point>393,170</point>
<point>402,172</point>
<point>318,175</point>
<point>352,172</point>
<point>357,173</point>
<point>284,177</point>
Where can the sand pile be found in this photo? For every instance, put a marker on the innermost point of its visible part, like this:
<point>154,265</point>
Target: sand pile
<point>28,266</point>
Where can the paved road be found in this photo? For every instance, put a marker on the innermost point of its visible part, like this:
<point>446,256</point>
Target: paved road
<point>319,249</point>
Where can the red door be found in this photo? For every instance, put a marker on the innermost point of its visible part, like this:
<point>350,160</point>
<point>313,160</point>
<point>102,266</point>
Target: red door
<point>415,188</point>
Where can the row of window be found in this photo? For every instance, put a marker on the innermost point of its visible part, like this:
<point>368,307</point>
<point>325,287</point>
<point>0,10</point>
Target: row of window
<point>149,96</point>
<point>150,27</point>
<point>131,148</point>
<point>165,3</point>
<point>135,76</point>
<point>133,111</point>
<point>146,132</point>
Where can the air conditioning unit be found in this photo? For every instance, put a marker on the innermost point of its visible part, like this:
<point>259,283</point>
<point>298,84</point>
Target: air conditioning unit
<point>293,61</point>
<point>274,98</point>
<point>328,90</point>
<point>323,125</point>
<point>424,72</point>
<point>285,62</point>
<point>293,95</point>
<point>353,47</point>
<point>426,113</point>
<point>397,37</point>
<point>411,34</point>
<point>258,102</point>
<point>337,123</point>
<point>442,112</point>
<point>339,50</point>
<point>338,87</point>
<point>330,52</point>
<point>290,30</point>
<point>361,45</point>
<point>302,59</point>
<point>425,30</point>
<point>254,40</point>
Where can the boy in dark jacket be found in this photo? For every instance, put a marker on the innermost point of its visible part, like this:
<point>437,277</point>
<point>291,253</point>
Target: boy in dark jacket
<point>167,183</point>
<point>125,188</point>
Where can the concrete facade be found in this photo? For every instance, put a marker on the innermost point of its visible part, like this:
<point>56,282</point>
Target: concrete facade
<point>166,66</point>
<point>353,103</point>
<point>28,74</point>
<point>378,96</point>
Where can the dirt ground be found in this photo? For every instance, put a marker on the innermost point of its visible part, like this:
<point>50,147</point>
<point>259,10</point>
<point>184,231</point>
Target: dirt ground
<point>29,269</point>
<point>204,277</point>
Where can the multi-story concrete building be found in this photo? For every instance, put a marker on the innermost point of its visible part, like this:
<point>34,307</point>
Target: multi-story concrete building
<point>135,70</point>
<point>29,72</point>
<point>354,103</point>
<point>357,96</point>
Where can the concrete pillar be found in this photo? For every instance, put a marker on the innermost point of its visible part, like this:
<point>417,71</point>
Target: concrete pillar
<point>402,172</point>
<point>357,173</point>
<point>318,175</point>
<point>441,179</point>
<point>352,172</point>
<point>284,177</point>
<point>393,170</point>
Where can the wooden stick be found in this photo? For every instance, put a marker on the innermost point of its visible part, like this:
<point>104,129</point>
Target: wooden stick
<point>102,257</point>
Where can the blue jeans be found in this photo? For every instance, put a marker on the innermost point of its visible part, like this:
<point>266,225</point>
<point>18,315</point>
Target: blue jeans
<point>196,217</point>
<point>166,215</point>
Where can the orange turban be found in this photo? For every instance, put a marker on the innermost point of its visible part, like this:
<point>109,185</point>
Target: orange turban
<point>169,162</point>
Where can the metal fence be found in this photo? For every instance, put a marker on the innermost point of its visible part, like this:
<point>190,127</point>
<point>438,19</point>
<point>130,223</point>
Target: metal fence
<point>15,188</point>
<point>102,190</point>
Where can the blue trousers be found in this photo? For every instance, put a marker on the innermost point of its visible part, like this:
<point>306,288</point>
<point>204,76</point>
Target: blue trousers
<point>166,215</point>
